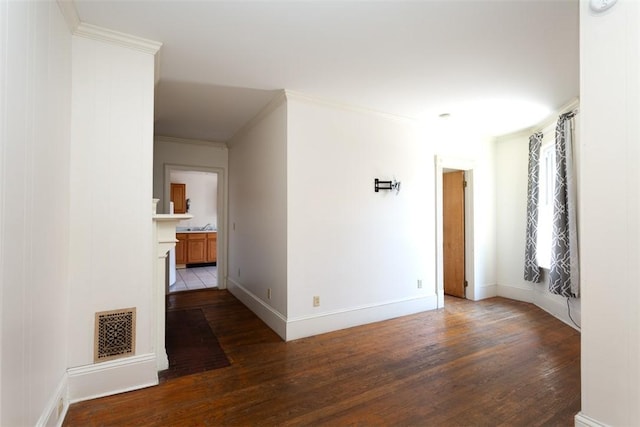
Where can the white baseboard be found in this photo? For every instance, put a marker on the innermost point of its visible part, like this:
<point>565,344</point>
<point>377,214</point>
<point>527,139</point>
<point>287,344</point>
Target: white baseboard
<point>327,322</point>
<point>483,292</point>
<point>581,420</point>
<point>557,307</point>
<point>112,377</point>
<point>274,319</point>
<point>291,329</point>
<point>57,406</point>
<point>516,293</point>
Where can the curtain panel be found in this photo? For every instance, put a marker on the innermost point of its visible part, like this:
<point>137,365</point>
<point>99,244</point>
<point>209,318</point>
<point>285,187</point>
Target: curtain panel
<point>531,268</point>
<point>564,276</point>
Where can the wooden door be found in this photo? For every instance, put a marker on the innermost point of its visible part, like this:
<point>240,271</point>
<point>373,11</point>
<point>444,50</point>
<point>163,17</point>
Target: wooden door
<point>179,198</point>
<point>453,228</point>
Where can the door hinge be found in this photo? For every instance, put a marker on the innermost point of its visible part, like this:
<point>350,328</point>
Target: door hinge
<point>466,284</point>
<point>464,184</point>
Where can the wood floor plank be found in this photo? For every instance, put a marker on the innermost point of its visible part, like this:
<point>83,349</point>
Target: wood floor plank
<point>492,362</point>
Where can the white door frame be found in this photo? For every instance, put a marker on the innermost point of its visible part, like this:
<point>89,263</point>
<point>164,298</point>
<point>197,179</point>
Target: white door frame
<point>222,210</point>
<point>466,165</point>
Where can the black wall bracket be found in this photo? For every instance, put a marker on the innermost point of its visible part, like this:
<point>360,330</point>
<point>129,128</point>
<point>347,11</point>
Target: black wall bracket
<point>386,185</point>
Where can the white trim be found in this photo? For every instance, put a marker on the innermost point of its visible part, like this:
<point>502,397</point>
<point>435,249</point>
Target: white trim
<point>81,29</point>
<point>171,139</point>
<point>548,121</point>
<point>50,415</point>
<point>515,293</point>
<point>94,32</point>
<point>273,318</point>
<point>556,307</point>
<point>486,291</point>
<point>298,96</point>
<point>112,377</point>
<point>70,14</point>
<point>467,166</point>
<point>553,117</point>
<point>581,420</point>
<point>544,301</point>
<point>306,326</point>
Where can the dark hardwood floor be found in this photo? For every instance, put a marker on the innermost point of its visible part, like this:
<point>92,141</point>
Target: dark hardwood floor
<point>488,363</point>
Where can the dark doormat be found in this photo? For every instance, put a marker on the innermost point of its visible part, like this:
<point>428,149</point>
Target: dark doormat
<point>191,345</point>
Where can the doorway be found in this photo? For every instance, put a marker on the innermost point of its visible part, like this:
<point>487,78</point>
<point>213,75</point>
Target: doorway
<point>206,191</point>
<point>466,167</point>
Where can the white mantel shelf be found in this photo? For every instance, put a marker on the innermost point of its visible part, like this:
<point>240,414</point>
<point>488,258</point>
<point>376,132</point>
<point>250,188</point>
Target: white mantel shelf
<point>164,239</point>
<point>170,217</point>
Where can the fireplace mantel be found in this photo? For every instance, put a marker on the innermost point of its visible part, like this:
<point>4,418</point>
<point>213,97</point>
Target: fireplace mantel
<point>164,239</point>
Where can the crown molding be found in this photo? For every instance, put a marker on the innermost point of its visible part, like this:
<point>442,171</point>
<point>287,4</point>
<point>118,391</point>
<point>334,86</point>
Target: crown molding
<point>94,32</point>
<point>553,117</point>
<point>549,120</point>
<point>70,14</point>
<point>174,140</point>
<point>81,29</point>
<point>297,96</point>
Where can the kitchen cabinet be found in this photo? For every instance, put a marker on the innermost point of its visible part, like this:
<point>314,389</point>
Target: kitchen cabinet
<point>212,247</point>
<point>179,198</point>
<point>181,248</point>
<point>196,248</point>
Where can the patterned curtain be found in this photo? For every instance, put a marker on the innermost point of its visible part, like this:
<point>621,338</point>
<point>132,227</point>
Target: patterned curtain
<point>564,277</point>
<point>531,268</point>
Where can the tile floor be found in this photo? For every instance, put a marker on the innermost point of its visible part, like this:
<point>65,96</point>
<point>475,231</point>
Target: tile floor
<point>188,279</point>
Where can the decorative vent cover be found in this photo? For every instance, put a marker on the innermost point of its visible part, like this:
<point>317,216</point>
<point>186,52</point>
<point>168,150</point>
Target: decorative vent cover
<point>115,334</point>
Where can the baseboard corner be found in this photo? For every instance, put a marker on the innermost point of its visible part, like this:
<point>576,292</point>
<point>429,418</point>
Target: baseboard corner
<point>274,319</point>
<point>112,377</point>
<point>57,406</point>
<point>582,420</point>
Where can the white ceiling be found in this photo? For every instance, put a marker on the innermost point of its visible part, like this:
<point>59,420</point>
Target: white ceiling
<point>222,61</point>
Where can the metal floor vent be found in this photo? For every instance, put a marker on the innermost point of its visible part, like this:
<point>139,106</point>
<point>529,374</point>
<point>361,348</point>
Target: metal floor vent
<point>115,334</point>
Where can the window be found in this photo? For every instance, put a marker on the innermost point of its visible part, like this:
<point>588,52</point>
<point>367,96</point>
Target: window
<point>545,199</point>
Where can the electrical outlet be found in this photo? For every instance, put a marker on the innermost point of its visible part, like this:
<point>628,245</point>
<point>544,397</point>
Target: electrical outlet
<point>419,283</point>
<point>316,301</point>
<point>269,293</point>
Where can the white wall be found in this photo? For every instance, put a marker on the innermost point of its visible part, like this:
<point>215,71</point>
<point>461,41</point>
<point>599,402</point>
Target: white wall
<point>308,222</point>
<point>258,214</point>
<point>35,74</point>
<point>361,252</point>
<point>202,192</point>
<point>512,158</point>
<point>610,108</point>
<point>111,192</point>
